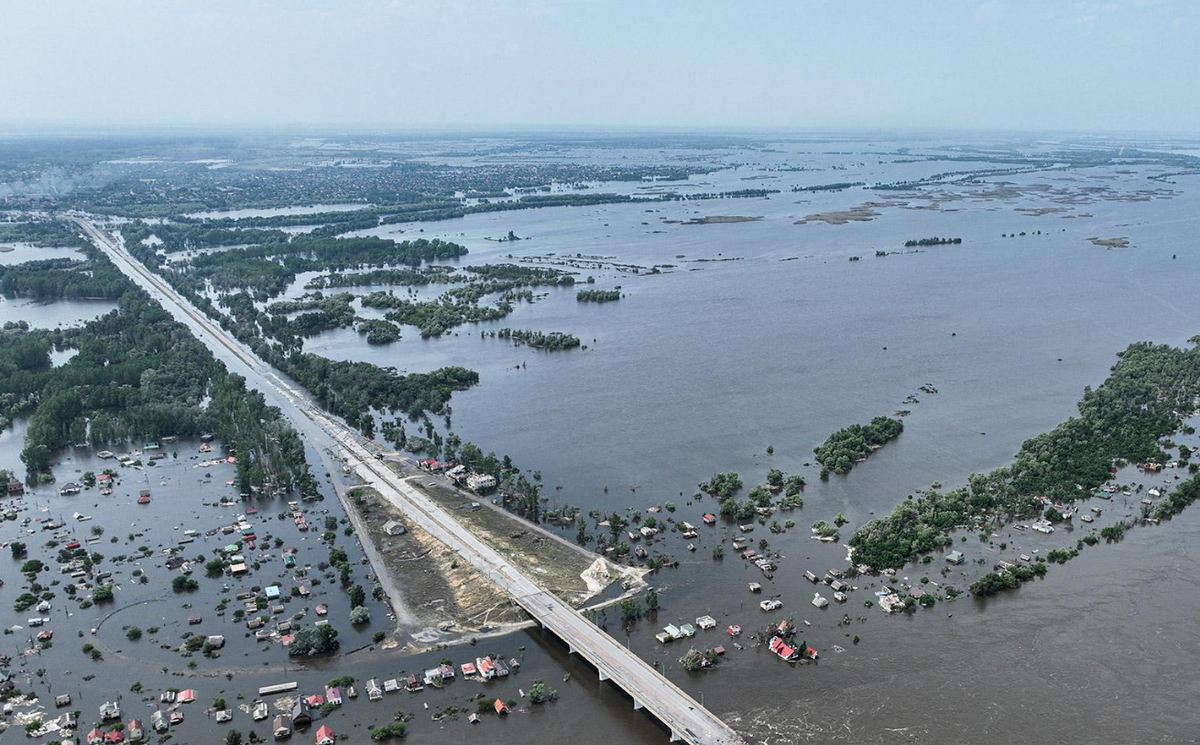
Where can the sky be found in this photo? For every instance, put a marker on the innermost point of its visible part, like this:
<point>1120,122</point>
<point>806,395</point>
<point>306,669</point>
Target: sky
<point>1035,65</point>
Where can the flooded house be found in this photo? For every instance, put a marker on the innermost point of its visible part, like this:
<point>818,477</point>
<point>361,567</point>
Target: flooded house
<point>281,727</point>
<point>783,650</point>
<point>158,722</point>
<point>301,714</point>
<point>486,668</point>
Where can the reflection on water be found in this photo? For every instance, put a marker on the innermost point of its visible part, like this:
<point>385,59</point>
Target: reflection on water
<point>43,314</point>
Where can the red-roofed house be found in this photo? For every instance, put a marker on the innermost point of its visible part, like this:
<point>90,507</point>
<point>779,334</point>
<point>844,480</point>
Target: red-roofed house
<point>783,649</point>
<point>487,668</point>
<point>325,735</point>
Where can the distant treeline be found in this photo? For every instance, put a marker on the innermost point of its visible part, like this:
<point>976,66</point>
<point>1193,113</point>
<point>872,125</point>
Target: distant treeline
<point>185,237</point>
<point>598,296</point>
<point>428,210</point>
<point>269,269</point>
<point>829,187</point>
<point>931,242</point>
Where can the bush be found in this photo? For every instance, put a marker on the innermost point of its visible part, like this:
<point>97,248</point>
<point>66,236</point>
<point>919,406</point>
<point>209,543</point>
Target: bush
<point>133,633</point>
<point>388,731</point>
<point>540,694</point>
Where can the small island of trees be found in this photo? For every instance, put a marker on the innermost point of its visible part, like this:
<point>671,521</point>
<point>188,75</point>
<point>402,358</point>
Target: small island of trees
<point>844,448</point>
<point>553,340</point>
<point>379,331</point>
<point>935,241</point>
<point>598,296</point>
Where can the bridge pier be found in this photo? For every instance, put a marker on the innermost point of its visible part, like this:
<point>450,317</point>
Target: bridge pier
<point>675,737</point>
<point>637,705</point>
<point>603,675</point>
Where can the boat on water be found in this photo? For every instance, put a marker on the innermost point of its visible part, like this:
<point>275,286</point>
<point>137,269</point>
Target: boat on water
<point>144,499</point>
<point>1086,518</point>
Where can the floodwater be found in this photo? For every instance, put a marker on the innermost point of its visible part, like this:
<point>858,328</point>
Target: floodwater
<point>701,367</point>
<point>53,314</point>
<point>277,211</point>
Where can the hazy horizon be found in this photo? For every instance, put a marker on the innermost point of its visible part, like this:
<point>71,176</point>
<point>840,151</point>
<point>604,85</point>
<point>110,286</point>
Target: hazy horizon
<point>465,66</point>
